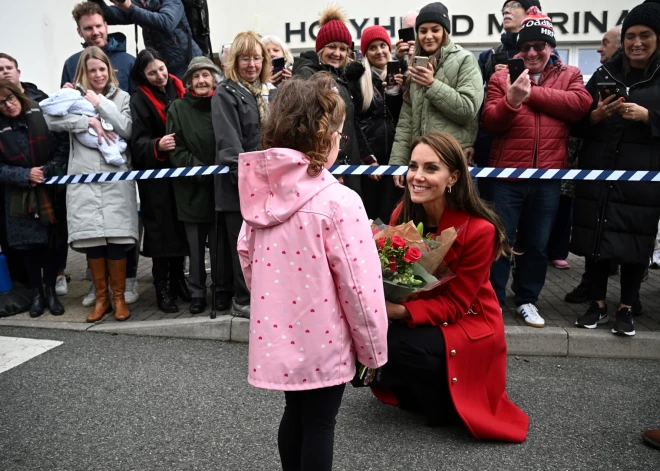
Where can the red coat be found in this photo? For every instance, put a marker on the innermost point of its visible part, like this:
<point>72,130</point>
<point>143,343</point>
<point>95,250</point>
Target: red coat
<point>467,311</point>
<point>535,135</point>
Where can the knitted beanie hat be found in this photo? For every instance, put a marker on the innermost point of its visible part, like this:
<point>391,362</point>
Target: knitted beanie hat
<point>333,28</point>
<point>526,4</point>
<point>646,14</point>
<point>371,34</point>
<point>536,27</point>
<point>434,13</point>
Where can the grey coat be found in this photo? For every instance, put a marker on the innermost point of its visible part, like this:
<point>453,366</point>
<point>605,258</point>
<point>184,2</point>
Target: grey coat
<point>237,129</point>
<point>99,210</point>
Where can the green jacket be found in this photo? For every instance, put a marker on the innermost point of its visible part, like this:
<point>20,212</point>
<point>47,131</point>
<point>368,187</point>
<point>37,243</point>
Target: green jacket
<point>450,105</point>
<point>189,118</point>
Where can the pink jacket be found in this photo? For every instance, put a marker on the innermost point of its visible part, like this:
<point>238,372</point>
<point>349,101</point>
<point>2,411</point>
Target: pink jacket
<point>310,262</point>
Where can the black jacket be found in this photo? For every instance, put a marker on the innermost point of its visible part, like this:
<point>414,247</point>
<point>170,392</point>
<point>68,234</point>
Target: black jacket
<point>619,220</point>
<point>307,65</point>
<point>376,126</point>
<point>164,235</point>
<point>33,92</point>
<point>237,129</point>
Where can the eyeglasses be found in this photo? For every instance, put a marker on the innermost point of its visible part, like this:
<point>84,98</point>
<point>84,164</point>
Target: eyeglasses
<point>343,141</point>
<point>11,99</point>
<point>511,6</point>
<point>538,47</point>
<point>248,59</point>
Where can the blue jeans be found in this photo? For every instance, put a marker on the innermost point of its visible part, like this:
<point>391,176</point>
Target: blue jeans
<point>536,203</point>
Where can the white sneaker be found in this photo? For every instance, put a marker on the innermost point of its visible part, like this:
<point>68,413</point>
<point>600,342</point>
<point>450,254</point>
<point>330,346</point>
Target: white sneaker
<point>131,293</point>
<point>60,285</point>
<point>530,315</point>
<point>90,298</point>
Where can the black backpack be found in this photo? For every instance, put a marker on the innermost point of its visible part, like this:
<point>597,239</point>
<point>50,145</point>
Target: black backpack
<point>197,13</point>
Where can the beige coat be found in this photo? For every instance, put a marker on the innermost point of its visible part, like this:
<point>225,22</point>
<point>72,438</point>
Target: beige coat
<point>99,212</point>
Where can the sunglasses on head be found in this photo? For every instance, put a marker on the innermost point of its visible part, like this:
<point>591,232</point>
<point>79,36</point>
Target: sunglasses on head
<point>538,47</point>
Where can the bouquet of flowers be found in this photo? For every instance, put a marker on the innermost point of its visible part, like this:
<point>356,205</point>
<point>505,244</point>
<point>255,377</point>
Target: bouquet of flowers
<point>410,261</point>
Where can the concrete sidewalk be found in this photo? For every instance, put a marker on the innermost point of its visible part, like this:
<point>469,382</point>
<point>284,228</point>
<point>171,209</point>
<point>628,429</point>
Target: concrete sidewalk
<point>558,338</point>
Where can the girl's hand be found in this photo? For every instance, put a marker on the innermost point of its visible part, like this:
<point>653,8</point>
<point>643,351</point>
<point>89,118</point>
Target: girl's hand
<point>36,175</point>
<point>93,98</point>
<point>167,143</point>
<point>396,312</point>
<point>423,76</point>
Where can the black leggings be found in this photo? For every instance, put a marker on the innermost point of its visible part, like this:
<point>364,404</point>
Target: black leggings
<point>165,268</point>
<point>35,260</point>
<point>307,431</point>
<point>631,280</point>
<point>110,251</point>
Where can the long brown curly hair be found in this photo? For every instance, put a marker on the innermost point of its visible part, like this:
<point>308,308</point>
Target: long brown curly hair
<point>303,117</point>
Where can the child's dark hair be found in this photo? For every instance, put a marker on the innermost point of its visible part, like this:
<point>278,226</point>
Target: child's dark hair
<point>303,116</point>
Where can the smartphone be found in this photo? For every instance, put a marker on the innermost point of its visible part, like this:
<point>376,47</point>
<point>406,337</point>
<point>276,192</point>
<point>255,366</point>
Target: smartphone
<point>278,64</point>
<point>501,58</point>
<point>607,89</point>
<point>407,34</point>
<point>81,89</point>
<point>420,61</point>
<point>393,68</point>
<point>516,67</point>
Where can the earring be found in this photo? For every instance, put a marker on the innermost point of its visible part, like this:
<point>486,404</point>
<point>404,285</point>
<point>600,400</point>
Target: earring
<point>449,190</point>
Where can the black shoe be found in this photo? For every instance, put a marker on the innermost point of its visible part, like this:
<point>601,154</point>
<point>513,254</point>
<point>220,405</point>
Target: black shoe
<point>637,308</point>
<point>580,295</point>
<point>595,315</point>
<point>179,289</point>
<point>39,302</point>
<point>54,305</point>
<point>624,324</point>
<point>163,299</point>
<point>198,305</point>
<point>222,301</point>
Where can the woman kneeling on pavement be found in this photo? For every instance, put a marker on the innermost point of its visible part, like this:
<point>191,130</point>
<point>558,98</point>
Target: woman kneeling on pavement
<point>164,235</point>
<point>189,121</point>
<point>29,153</point>
<point>102,218</point>
<point>446,348</point>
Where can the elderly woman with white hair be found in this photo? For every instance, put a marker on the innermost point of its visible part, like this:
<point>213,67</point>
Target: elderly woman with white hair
<point>189,120</point>
<point>277,49</point>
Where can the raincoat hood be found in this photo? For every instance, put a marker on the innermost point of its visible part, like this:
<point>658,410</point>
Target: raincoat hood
<point>274,184</point>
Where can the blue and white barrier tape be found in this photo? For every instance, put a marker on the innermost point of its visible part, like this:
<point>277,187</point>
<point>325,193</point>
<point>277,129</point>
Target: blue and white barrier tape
<point>486,172</point>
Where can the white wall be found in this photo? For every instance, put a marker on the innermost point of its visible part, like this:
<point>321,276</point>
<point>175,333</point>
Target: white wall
<point>41,33</point>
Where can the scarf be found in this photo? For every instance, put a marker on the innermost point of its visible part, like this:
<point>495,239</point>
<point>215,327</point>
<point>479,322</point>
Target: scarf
<point>159,105</point>
<point>35,202</point>
<point>259,91</point>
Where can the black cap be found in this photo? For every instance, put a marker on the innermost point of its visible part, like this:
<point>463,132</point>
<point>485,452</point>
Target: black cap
<point>646,14</point>
<point>525,4</point>
<point>434,13</point>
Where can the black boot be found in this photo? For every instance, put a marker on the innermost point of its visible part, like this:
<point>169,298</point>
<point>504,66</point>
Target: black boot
<point>163,298</point>
<point>581,294</point>
<point>198,305</point>
<point>39,302</point>
<point>54,305</point>
<point>223,301</point>
<point>178,287</point>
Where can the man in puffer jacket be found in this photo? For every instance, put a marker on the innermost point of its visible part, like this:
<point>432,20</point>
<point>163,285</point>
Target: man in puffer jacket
<point>530,120</point>
<point>164,27</point>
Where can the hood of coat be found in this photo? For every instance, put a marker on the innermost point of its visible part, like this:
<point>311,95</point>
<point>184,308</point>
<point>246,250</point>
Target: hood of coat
<point>274,184</point>
<point>116,43</point>
<point>310,59</point>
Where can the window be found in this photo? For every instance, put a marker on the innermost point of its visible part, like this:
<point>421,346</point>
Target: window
<point>564,55</point>
<point>588,61</point>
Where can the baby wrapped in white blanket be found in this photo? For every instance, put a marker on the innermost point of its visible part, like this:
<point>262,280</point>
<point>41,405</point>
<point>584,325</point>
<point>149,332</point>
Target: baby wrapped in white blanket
<point>69,101</point>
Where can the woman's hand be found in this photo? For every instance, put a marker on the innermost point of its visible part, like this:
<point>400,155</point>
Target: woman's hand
<point>518,92</point>
<point>109,137</point>
<point>633,112</point>
<point>422,76</point>
<point>403,48</point>
<point>375,177</point>
<point>468,152</point>
<point>606,108</point>
<point>167,143</point>
<point>276,79</point>
<point>396,312</point>
<point>499,67</point>
<point>93,98</point>
<point>36,175</point>
<point>399,181</point>
<point>69,85</point>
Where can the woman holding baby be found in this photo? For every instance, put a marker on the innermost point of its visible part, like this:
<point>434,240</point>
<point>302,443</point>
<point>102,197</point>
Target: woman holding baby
<point>102,218</point>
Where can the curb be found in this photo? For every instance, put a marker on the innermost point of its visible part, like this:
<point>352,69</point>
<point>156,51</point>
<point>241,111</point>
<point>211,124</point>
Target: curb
<point>526,341</point>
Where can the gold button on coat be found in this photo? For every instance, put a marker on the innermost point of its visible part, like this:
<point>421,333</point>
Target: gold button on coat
<point>454,380</point>
<point>452,353</point>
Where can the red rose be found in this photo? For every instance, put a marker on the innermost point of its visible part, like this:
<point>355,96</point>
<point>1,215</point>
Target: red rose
<point>392,266</point>
<point>412,255</point>
<point>398,242</point>
<point>381,243</point>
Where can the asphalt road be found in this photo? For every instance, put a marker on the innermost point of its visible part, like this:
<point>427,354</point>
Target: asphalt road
<point>103,402</point>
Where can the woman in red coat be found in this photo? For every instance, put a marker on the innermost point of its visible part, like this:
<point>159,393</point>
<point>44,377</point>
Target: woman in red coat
<point>447,351</point>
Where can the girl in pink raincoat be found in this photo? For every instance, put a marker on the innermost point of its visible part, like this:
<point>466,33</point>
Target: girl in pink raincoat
<point>312,267</point>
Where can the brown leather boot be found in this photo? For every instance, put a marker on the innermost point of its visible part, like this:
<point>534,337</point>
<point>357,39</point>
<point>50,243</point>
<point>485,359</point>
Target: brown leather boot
<point>100,279</point>
<point>118,286</point>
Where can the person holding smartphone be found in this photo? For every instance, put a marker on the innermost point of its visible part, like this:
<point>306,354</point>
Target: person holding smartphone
<point>616,222</point>
<point>530,118</point>
<point>444,88</point>
<point>281,59</point>
<point>375,84</point>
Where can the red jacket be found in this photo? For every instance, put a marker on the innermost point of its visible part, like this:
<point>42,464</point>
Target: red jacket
<point>535,135</point>
<point>467,311</point>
